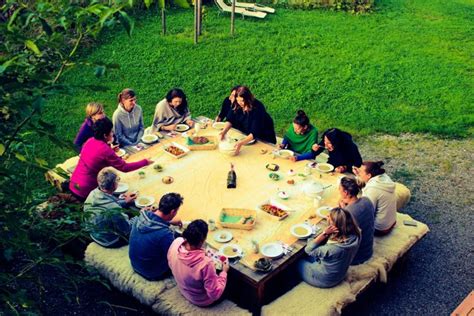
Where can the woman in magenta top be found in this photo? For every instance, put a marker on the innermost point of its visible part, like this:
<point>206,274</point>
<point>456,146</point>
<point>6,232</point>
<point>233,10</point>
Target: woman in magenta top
<point>95,155</point>
<point>193,271</point>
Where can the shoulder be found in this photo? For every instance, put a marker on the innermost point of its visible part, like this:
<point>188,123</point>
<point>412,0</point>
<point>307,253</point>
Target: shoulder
<point>163,103</point>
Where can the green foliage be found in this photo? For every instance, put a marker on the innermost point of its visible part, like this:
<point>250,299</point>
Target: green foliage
<point>353,6</point>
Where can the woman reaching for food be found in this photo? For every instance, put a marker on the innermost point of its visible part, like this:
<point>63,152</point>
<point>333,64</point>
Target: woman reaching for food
<point>343,152</point>
<point>250,117</point>
<point>331,253</point>
<point>300,137</point>
<point>128,119</point>
<point>171,111</point>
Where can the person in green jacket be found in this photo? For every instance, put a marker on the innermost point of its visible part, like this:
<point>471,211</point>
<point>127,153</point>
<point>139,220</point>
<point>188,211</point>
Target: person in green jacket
<point>301,135</point>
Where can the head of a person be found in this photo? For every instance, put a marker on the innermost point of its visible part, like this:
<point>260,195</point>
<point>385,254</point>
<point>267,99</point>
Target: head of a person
<point>301,122</point>
<point>370,169</point>
<point>103,130</point>
<point>196,233</point>
<point>244,98</point>
<point>95,111</point>
<point>128,99</point>
<point>348,188</point>
<point>169,205</point>
<point>107,180</point>
<point>232,93</point>
<point>332,139</point>
<point>344,222</point>
<point>177,100</point>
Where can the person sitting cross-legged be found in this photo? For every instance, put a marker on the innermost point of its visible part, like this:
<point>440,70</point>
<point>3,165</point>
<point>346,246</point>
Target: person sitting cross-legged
<point>109,226</point>
<point>151,238</point>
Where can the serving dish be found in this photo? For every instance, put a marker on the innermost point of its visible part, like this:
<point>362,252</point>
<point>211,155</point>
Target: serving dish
<point>176,150</point>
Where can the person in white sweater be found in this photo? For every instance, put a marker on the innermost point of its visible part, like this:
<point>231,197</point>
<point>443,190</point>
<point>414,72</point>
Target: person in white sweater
<point>380,190</point>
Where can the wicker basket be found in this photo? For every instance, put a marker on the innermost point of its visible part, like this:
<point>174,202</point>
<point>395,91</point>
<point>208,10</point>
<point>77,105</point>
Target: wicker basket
<point>211,145</point>
<point>237,212</point>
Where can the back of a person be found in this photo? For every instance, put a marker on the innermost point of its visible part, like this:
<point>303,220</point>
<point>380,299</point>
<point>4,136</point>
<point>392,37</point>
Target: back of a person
<point>149,243</point>
<point>363,212</point>
<point>381,191</point>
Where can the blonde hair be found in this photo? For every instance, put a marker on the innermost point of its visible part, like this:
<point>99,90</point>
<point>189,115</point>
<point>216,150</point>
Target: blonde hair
<point>345,223</point>
<point>93,108</point>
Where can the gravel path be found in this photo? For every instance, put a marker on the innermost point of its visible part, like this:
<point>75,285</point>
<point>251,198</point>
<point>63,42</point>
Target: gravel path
<point>437,274</point>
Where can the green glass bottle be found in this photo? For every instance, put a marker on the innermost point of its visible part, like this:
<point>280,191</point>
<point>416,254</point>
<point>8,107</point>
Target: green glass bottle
<point>231,178</point>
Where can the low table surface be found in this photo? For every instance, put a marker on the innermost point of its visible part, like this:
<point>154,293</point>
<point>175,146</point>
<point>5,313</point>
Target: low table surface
<point>201,178</point>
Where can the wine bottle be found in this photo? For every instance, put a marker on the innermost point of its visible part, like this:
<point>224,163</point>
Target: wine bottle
<point>231,178</point>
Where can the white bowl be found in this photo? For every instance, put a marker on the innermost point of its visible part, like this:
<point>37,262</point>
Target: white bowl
<point>323,211</point>
<point>149,139</point>
<point>121,188</point>
<point>227,148</point>
<point>272,250</point>
<point>140,203</point>
<point>219,125</point>
<point>324,167</point>
<point>235,251</point>
<point>285,153</point>
<point>322,158</point>
<point>182,127</point>
<point>283,195</point>
<point>121,152</point>
<point>313,189</point>
<point>222,236</point>
<point>295,231</point>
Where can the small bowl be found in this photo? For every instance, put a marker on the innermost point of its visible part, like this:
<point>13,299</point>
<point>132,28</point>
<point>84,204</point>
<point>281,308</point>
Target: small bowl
<point>283,195</point>
<point>301,231</point>
<point>272,250</point>
<point>144,201</point>
<point>274,176</point>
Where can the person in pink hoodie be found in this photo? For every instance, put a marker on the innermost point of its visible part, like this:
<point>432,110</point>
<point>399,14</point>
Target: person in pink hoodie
<point>96,154</point>
<point>193,271</point>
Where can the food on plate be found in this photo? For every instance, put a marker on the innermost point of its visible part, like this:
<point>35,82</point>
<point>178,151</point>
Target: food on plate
<point>324,168</point>
<point>200,140</point>
<point>263,264</point>
<point>174,150</point>
<point>223,236</point>
<point>246,220</point>
<point>167,180</point>
<point>274,176</point>
<point>149,138</point>
<point>272,167</point>
<point>158,167</point>
<point>143,201</point>
<point>300,230</point>
<point>230,251</point>
<point>312,216</point>
<point>273,210</point>
<point>263,151</point>
<point>291,181</point>
<point>142,174</point>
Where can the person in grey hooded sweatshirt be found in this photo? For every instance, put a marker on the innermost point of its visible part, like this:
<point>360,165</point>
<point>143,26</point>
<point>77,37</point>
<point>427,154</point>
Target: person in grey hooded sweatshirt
<point>380,190</point>
<point>128,119</point>
<point>151,238</point>
<point>331,253</point>
<point>108,225</point>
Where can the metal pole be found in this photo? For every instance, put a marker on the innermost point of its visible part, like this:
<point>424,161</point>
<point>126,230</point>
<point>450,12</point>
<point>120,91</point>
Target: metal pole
<point>195,22</point>
<point>232,19</point>
<point>199,16</point>
<point>163,20</point>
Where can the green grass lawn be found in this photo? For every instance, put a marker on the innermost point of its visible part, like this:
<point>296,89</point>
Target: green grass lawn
<point>407,67</point>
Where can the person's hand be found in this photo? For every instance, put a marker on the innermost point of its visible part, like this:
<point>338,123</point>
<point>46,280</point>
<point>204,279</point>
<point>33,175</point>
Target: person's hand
<point>177,222</point>
<point>330,230</point>
<point>238,147</point>
<point>355,170</point>
<point>129,197</point>
<point>225,266</point>
<point>222,135</point>
<point>217,119</point>
<point>341,169</point>
<point>281,146</point>
<point>190,123</point>
<point>169,128</point>
<point>115,148</point>
<point>149,208</point>
<point>315,147</point>
<point>149,161</point>
<point>293,158</point>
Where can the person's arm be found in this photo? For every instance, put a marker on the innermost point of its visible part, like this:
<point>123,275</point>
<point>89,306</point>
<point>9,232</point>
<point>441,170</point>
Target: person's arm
<point>118,163</point>
<point>121,224</point>
<point>118,132</point>
<point>371,194</point>
<point>227,127</point>
<point>214,284</point>
<point>141,127</point>
<point>310,155</point>
<point>225,108</point>
<point>81,137</point>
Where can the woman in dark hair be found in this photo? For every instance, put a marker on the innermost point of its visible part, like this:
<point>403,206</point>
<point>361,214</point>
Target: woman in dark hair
<point>343,152</point>
<point>227,105</point>
<point>193,271</point>
<point>380,190</point>
<point>331,252</point>
<point>300,136</point>
<point>97,154</point>
<point>250,117</point>
<point>363,212</point>
<point>171,111</point>
<point>128,119</point>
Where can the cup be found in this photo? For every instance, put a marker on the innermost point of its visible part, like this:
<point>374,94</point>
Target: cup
<point>197,128</point>
<point>317,201</point>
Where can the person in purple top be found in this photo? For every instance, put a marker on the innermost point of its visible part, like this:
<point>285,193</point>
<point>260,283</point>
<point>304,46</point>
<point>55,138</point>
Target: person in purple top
<point>94,112</point>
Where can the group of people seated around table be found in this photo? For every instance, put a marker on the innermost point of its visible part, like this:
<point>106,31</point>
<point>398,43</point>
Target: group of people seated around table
<point>367,194</point>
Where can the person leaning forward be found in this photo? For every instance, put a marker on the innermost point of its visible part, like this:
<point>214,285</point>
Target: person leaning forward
<point>151,238</point>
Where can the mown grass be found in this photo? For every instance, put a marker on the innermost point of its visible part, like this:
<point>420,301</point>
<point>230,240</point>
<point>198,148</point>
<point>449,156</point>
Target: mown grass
<point>407,67</point>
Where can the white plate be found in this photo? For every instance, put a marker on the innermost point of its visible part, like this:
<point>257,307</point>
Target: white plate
<point>285,153</point>
<point>149,139</point>
<point>323,211</point>
<point>121,152</point>
<point>222,236</point>
<point>121,188</point>
<point>219,125</point>
<point>140,203</point>
<point>272,250</point>
<point>233,252</point>
<point>324,167</point>
<point>294,231</point>
<point>182,127</point>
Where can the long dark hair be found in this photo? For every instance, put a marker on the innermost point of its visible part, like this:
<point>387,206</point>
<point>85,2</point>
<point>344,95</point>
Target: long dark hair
<point>244,93</point>
<point>301,119</point>
<point>336,137</point>
<point>374,167</point>
<point>196,232</point>
<point>178,93</point>
<point>101,128</point>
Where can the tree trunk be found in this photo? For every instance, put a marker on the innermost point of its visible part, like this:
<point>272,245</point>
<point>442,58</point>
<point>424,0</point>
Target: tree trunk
<point>232,19</point>
<point>163,21</point>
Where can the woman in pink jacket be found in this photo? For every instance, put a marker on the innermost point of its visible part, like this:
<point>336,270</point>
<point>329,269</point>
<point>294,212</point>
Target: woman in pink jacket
<point>95,155</point>
<point>195,273</point>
